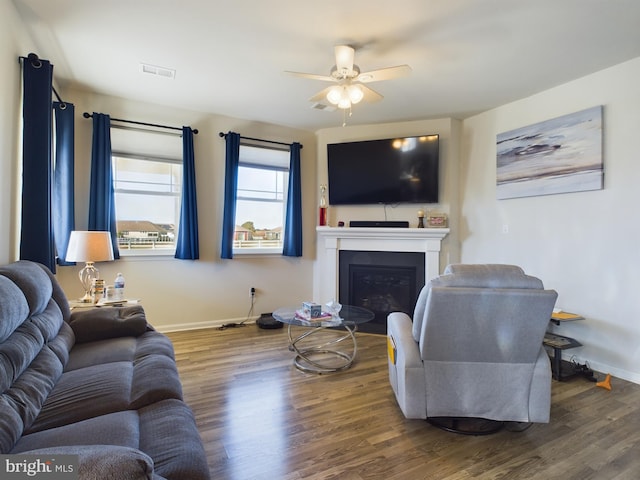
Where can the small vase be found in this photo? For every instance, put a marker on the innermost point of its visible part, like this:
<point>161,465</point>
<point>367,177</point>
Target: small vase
<point>322,217</point>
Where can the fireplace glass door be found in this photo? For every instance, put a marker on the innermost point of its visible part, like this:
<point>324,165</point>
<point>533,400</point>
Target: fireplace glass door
<point>382,282</point>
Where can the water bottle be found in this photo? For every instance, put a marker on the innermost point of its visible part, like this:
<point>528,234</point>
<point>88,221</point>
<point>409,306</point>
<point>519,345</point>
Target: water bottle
<point>118,285</point>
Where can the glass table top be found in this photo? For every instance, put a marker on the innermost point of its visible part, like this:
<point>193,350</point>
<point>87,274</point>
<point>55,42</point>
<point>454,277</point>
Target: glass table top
<point>348,315</point>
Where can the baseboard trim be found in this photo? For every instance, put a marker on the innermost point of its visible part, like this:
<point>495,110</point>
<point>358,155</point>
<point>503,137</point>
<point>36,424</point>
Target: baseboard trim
<point>183,327</point>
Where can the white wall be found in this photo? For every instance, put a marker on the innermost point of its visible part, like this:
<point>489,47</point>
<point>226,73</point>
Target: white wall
<point>13,44</point>
<point>585,245</point>
<point>210,291</point>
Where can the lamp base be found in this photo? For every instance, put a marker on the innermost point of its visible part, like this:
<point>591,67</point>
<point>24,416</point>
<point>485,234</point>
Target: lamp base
<point>87,276</point>
<point>86,299</point>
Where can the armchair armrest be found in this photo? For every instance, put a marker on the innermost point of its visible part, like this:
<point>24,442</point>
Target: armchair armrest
<point>407,373</point>
<point>108,322</point>
<point>399,328</point>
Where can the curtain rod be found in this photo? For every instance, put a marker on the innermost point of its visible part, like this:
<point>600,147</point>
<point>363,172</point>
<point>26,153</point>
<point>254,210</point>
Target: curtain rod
<point>223,135</point>
<point>35,61</point>
<point>88,115</point>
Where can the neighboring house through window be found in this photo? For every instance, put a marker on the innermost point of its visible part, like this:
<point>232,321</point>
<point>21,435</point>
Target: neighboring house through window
<point>263,176</point>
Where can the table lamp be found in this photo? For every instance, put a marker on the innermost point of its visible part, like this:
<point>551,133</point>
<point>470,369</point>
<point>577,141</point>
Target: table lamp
<point>89,247</point>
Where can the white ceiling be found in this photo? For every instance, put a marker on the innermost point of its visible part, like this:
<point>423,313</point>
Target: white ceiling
<point>467,56</point>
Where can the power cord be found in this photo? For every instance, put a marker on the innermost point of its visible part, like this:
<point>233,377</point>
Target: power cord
<point>249,314</point>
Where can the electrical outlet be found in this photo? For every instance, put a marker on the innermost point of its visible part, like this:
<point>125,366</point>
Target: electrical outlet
<point>253,291</point>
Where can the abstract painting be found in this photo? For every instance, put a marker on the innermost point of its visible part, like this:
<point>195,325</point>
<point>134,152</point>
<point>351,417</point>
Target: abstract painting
<point>560,155</point>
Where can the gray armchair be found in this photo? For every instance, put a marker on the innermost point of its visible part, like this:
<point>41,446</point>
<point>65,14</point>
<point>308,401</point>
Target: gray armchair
<point>474,348</point>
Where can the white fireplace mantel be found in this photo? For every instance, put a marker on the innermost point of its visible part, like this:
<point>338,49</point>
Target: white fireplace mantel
<point>330,240</point>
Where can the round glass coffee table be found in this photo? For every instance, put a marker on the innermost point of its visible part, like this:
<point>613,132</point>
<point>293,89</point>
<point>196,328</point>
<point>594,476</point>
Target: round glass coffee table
<point>323,347</point>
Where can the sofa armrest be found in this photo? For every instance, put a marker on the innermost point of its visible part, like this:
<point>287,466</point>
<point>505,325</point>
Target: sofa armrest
<point>108,322</point>
<point>105,461</point>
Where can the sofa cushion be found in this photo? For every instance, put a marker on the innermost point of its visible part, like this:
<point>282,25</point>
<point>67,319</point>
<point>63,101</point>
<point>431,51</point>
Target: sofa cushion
<point>33,281</point>
<point>119,350</point>
<point>165,431</point>
<point>169,435</point>
<point>14,308</point>
<point>11,425</point>
<point>102,323</point>
<point>96,353</point>
<point>118,428</point>
<point>137,379</point>
<point>22,402</point>
<point>106,461</point>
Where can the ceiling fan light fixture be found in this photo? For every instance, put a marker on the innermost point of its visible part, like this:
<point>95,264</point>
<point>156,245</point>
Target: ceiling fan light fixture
<point>344,103</point>
<point>345,95</point>
<point>355,93</point>
<point>349,83</point>
<point>334,94</point>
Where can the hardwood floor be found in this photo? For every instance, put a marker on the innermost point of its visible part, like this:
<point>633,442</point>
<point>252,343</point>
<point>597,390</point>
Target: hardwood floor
<point>262,419</point>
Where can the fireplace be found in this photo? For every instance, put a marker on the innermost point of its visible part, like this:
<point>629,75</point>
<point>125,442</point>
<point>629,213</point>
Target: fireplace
<point>334,242</point>
<point>382,282</point>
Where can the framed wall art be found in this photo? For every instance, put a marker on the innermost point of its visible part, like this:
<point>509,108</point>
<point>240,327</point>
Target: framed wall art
<point>560,155</point>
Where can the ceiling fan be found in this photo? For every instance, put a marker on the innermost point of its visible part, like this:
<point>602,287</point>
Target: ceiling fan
<point>350,87</point>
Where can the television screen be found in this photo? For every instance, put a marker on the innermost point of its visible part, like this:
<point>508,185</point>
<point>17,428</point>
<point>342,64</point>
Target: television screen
<point>394,170</point>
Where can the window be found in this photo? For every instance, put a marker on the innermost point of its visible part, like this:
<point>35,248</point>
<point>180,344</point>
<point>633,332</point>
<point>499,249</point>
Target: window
<point>147,196</point>
<point>263,177</point>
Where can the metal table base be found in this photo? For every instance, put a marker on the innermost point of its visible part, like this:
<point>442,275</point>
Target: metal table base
<point>321,358</point>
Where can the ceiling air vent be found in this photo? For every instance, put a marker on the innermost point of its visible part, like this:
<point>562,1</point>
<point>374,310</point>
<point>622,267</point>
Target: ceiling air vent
<point>159,71</point>
<point>322,106</point>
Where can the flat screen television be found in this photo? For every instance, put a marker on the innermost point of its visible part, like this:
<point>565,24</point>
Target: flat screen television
<point>389,171</point>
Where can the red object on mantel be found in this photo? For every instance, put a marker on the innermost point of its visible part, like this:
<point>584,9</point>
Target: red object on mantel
<point>322,217</point>
<point>322,221</point>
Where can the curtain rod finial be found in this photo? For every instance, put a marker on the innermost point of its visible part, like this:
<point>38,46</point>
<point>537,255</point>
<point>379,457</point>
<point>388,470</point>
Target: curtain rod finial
<point>86,115</point>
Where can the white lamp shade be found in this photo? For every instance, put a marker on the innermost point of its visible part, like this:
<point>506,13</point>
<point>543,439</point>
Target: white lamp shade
<point>89,247</point>
<point>344,103</point>
<point>334,94</point>
<point>355,93</point>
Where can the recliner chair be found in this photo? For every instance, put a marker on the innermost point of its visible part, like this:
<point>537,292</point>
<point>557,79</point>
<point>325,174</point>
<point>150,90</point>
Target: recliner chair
<point>474,348</point>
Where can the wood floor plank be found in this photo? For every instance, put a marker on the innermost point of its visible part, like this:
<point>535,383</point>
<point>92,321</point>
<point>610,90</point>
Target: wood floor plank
<point>260,418</point>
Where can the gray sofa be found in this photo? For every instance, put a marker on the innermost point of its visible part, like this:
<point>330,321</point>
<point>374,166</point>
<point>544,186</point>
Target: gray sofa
<point>98,383</point>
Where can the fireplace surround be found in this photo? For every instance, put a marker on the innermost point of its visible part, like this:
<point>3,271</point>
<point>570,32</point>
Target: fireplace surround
<point>331,241</point>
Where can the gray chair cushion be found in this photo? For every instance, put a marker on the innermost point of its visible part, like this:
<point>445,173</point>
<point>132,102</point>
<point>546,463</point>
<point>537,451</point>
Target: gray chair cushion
<point>474,276</point>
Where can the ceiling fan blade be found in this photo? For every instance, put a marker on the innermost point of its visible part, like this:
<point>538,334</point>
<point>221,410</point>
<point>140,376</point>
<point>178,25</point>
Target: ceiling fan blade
<point>344,57</point>
<point>312,76</point>
<point>321,96</point>
<point>370,95</point>
<point>384,74</point>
